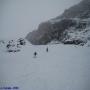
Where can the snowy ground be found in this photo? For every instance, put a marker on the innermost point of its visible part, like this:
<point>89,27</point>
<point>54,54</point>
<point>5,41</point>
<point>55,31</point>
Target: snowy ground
<point>62,68</point>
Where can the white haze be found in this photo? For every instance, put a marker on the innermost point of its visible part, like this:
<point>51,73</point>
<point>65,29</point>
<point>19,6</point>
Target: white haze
<point>18,17</point>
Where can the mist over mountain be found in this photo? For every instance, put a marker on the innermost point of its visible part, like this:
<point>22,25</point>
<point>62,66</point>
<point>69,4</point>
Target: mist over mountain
<point>81,10</point>
<point>72,27</point>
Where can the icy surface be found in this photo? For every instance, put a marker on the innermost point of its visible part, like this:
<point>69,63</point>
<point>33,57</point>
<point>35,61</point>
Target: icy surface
<point>62,68</point>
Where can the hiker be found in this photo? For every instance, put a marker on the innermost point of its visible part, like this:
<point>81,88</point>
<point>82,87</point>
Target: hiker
<point>35,54</point>
<point>47,49</point>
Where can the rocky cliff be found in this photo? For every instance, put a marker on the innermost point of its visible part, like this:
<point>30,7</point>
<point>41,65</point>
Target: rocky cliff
<point>72,27</point>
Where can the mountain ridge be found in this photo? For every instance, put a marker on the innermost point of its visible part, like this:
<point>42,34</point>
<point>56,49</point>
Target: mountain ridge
<point>76,17</point>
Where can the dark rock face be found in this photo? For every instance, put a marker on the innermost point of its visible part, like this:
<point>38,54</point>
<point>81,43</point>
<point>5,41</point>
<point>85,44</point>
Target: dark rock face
<point>41,35</point>
<point>47,31</point>
<point>54,29</point>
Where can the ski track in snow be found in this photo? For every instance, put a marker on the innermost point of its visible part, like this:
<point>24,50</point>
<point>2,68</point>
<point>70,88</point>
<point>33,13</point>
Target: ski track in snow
<point>64,67</point>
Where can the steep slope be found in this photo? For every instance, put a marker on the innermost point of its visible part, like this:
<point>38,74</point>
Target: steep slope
<point>47,31</point>
<point>76,18</point>
<point>81,10</point>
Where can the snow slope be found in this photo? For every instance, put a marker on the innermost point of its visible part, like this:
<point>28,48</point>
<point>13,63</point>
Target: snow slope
<point>62,68</point>
<point>83,34</point>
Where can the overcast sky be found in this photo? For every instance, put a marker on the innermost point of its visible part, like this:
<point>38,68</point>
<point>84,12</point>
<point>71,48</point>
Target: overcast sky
<point>18,17</point>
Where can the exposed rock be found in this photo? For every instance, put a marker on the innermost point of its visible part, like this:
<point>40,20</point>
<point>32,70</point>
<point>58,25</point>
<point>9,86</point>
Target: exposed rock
<point>73,23</point>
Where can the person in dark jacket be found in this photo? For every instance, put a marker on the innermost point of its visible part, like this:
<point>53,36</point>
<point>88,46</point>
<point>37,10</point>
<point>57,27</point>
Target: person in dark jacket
<point>35,54</point>
<point>47,49</point>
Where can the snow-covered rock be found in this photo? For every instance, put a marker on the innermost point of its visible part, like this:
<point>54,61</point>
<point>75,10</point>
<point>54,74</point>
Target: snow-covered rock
<point>13,45</point>
<point>72,25</point>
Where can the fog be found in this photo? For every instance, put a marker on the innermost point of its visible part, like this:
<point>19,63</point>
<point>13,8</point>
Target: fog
<point>18,17</point>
